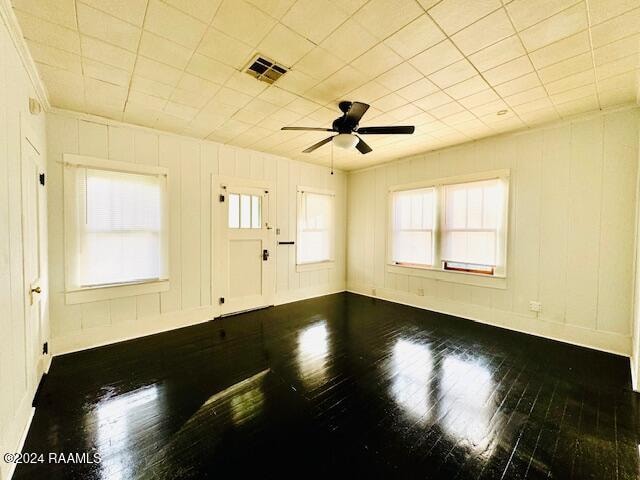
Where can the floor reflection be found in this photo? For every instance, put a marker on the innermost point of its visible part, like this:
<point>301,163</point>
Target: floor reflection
<point>466,388</point>
<point>412,368</point>
<point>246,405</point>
<point>116,419</point>
<point>313,348</point>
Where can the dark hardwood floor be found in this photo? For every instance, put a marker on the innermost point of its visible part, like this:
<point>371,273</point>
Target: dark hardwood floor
<point>338,386</point>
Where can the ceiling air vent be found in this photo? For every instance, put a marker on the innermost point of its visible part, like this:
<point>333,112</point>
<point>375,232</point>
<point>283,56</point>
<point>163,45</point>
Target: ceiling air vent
<point>265,70</point>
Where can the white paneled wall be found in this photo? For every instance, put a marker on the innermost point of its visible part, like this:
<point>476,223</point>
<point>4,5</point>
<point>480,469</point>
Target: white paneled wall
<point>191,164</point>
<point>571,231</point>
<point>15,388</point>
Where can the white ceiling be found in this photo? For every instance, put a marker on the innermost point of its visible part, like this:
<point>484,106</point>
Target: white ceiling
<point>445,66</point>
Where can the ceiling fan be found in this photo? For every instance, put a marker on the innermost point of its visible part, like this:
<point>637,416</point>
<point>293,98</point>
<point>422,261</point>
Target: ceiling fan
<point>347,129</point>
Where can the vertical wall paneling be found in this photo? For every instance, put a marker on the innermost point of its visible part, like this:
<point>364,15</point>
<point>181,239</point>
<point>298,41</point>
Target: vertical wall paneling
<point>571,230</point>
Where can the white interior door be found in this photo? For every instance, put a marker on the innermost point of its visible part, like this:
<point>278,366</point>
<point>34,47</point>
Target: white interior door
<point>34,225</point>
<point>247,274</point>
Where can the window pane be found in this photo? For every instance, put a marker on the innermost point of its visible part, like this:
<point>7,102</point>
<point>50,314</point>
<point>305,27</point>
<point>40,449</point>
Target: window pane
<point>234,211</point>
<point>119,235</point>
<point>315,217</point>
<point>414,247</point>
<point>245,211</point>
<point>256,218</point>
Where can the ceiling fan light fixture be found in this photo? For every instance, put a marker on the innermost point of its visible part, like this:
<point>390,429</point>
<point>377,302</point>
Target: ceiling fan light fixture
<point>345,140</point>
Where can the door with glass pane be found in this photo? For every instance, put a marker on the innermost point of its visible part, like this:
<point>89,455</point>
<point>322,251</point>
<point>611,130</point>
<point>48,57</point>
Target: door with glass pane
<point>246,279</point>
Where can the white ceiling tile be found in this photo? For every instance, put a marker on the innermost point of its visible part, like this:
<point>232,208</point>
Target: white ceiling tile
<point>233,98</point>
<point>557,27</point>
<point>417,90</point>
<point>377,60</point>
<point>150,86</point>
<point>209,69</point>
<point>171,23</point>
<point>419,35</point>
<point>131,11</point>
<point>609,98</point>
<point>157,71</point>
<point>456,73</point>
<point>150,101</point>
<point>245,83</point>
<point>349,41</point>
<point>454,15</point>
<point>627,80</point>
<point>571,82</point>
<point>508,71</point>
<point>520,84</point>
<point>55,57</point>
<point>577,105</point>
<point>384,17</point>
<point>369,92</point>
<point>497,54</point>
<point>436,57</point>
<point>602,10</point>
<point>164,51</point>
<point>389,102</point>
<point>467,87</point>
<point>106,73</point>
<point>274,8</point>
<point>446,110</point>
<point>481,98</point>
<point>225,49</point>
<point>621,65</point>
<point>110,29</point>
<point>399,76</point>
<point>107,53</point>
<point>432,101</point>
<point>61,12</point>
<point>525,13</point>
<point>296,82</point>
<point>242,21</point>
<point>41,31</point>
<point>285,46</point>
<point>277,96</point>
<point>572,65</point>
<point>526,96</point>
<point>485,32</point>
<point>561,50</point>
<point>203,10</point>
<point>616,28</point>
<point>314,19</point>
<point>618,49</point>
<point>319,63</point>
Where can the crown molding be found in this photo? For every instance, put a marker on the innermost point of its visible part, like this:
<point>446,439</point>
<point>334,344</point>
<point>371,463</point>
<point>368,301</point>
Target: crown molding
<point>13,27</point>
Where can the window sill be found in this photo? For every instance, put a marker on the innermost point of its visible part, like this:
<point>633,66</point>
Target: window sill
<point>96,294</point>
<point>309,267</point>
<point>465,278</point>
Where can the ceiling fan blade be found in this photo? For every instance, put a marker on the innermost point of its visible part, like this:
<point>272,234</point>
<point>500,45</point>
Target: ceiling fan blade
<point>317,145</point>
<point>356,111</point>
<point>363,147</point>
<point>315,129</point>
<point>390,130</point>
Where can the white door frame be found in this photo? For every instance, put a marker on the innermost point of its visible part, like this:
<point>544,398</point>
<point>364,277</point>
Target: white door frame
<point>37,362</point>
<point>218,275</point>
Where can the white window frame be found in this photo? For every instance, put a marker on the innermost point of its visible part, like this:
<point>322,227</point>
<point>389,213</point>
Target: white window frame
<point>305,267</point>
<point>74,293</point>
<point>437,271</point>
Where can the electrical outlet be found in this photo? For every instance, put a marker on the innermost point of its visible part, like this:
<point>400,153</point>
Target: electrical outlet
<point>535,306</point>
<point>421,292</point>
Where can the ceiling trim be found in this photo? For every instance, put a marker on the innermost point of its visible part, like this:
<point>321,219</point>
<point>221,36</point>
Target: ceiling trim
<point>513,133</point>
<point>15,32</point>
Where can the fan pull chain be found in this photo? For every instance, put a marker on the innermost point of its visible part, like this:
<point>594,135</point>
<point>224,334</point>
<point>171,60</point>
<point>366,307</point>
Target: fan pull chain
<point>331,158</point>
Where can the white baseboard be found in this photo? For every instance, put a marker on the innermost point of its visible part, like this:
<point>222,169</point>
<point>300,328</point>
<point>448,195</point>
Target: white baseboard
<point>136,328</point>
<point>7,469</point>
<point>580,336</point>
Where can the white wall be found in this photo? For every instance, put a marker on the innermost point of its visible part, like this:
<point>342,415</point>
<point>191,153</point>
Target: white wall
<point>191,164</point>
<point>571,231</point>
<point>635,351</point>
<point>15,388</point>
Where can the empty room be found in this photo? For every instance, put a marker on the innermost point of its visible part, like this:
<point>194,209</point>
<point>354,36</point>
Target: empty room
<point>319,239</point>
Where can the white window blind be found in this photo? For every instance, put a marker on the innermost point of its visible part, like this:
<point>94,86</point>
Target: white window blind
<point>315,227</point>
<point>413,226</point>
<point>120,233</point>
<point>473,214</point>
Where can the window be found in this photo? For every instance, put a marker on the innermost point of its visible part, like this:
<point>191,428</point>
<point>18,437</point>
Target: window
<point>116,224</point>
<point>315,226</point>
<point>413,215</point>
<point>245,211</point>
<point>451,225</point>
<point>472,214</point>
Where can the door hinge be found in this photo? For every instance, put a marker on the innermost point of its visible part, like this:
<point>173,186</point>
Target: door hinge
<point>42,179</point>
<point>221,198</point>
<point>45,348</point>
<point>221,300</point>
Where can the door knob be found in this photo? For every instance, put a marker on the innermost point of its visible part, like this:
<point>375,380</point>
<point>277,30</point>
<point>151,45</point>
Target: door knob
<point>265,255</point>
<point>36,290</point>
